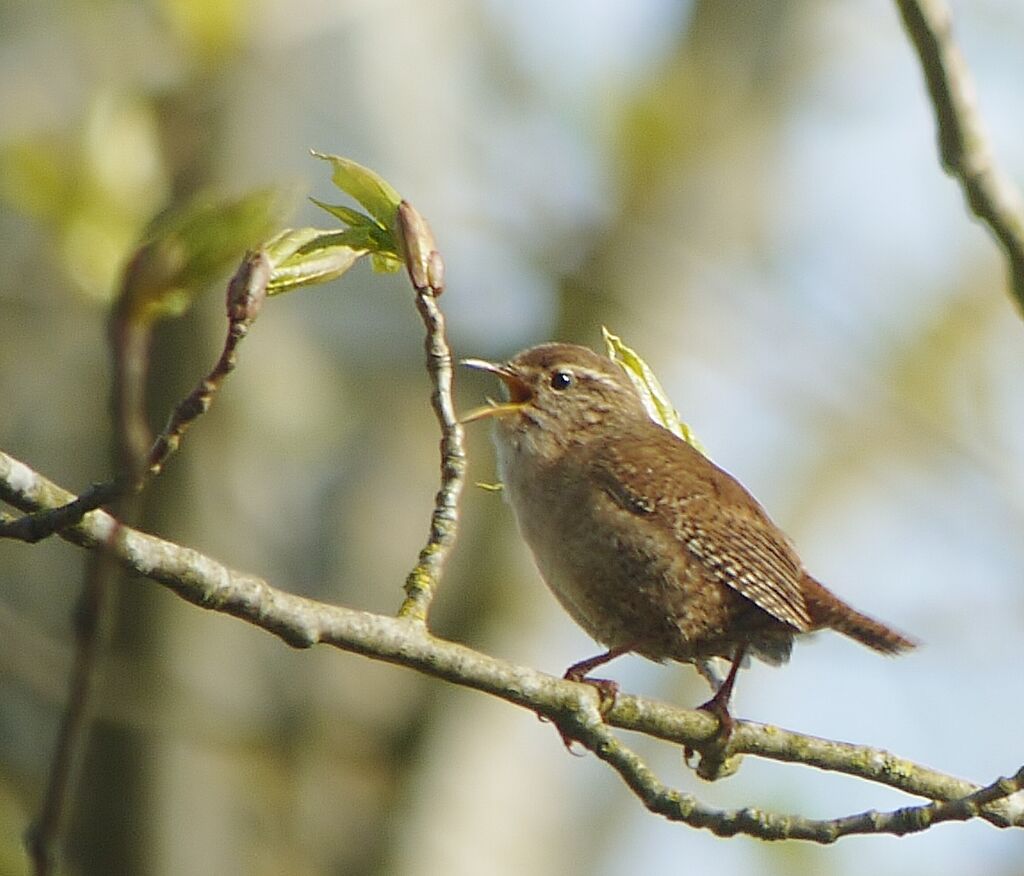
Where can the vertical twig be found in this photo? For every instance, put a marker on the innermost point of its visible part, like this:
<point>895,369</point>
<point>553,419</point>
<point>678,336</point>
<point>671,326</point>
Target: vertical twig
<point>426,271</point>
<point>137,459</point>
<point>130,345</point>
<point>963,145</point>
<point>90,623</point>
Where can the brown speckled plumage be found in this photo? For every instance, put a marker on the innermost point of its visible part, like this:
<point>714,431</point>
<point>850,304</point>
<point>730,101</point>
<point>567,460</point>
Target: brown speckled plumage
<point>646,543</point>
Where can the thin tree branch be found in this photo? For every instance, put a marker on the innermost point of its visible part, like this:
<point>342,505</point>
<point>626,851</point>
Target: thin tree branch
<point>246,293</point>
<point>35,527</point>
<point>426,272</point>
<point>762,740</point>
<point>303,623</point>
<point>963,145</point>
<point>677,806</point>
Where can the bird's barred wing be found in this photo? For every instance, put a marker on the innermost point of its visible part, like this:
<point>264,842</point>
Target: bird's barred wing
<point>755,562</point>
<point>709,514</point>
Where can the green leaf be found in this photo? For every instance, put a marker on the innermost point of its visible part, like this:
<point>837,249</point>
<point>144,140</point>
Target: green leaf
<point>305,256</point>
<point>288,242</point>
<point>186,250</point>
<point>385,263</point>
<point>372,192</point>
<point>354,238</point>
<point>352,218</point>
<point>654,397</point>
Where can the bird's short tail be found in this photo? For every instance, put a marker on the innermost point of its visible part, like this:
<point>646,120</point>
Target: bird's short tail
<point>828,610</point>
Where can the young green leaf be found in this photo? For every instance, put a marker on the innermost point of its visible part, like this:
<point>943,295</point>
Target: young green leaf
<point>186,250</point>
<point>655,400</point>
<point>306,256</point>
<point>352,218</point>
<point>385,262</point>
<point>374,193</point>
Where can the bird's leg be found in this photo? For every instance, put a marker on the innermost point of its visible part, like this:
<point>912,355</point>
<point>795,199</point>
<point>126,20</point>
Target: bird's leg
<point>607,689</point>
<point>718,705</point>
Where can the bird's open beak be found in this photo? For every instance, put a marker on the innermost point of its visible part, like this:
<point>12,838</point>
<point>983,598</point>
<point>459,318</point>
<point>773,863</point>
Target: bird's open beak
<point>518,391</point>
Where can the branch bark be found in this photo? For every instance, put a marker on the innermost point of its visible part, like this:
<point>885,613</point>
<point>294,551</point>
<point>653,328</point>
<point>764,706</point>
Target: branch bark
<point>426,273</point>
<point>406,641</point>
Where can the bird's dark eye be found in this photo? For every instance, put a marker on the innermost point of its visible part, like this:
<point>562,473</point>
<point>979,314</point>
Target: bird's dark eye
<point>561,380</point>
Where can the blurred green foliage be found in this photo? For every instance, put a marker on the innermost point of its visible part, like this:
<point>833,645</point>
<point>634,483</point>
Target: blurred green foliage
<point>191,247</point>
<point>95,185</point>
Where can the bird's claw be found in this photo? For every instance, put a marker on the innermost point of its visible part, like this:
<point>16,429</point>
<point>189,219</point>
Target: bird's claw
<point>607,690</point>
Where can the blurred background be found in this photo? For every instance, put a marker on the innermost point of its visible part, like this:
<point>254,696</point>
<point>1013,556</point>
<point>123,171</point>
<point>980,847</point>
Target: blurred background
<point>748,193</point>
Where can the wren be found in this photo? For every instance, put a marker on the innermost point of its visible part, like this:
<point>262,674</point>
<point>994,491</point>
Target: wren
<point>646,543</point>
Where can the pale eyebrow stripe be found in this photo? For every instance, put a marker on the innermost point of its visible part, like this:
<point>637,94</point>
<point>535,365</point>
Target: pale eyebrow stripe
<point>597,377</point>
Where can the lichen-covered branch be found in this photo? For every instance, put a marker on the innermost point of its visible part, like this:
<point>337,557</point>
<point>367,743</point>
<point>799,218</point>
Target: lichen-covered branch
<point>426,272</point>
<point>303,623</point>
<point>677,806</point>
<point>762,740</point>
<point>963,144</point>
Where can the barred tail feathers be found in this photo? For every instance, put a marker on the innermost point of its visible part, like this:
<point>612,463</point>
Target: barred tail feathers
<point>828,610</point>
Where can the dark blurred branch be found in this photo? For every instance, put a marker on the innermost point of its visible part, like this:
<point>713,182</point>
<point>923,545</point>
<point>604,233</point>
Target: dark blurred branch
<point>963,144</point>
<point>303,623</point>
<point>130,346</point>
<point>130,340</point>
<point>91,621</point>
<point>43,524</point>
<point>426,272</point>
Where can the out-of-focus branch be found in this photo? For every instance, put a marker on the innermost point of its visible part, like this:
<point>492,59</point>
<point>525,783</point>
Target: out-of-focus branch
<point>963,144</point>
<point>135,462</point>
<point>303,623</point>
<point>92,617</point>
<point>247,290</point>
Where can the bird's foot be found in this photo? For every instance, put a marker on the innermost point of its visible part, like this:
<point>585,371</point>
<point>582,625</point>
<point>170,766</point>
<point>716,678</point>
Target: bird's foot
<point>725,726</point>
<point>719,709</point>
<point>718,706</point>
<point>607,690</point>
<point>715,761</point>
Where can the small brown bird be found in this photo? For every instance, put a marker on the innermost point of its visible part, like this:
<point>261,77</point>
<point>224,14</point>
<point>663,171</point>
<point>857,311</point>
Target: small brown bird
<point>648,545</point>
